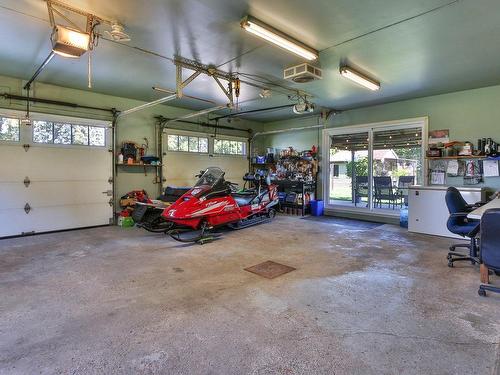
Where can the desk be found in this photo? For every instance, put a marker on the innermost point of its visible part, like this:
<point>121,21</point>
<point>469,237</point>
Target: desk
<point>478,212</point>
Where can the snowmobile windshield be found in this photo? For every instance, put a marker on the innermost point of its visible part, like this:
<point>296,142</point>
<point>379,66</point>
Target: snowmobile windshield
<point>210,177</point>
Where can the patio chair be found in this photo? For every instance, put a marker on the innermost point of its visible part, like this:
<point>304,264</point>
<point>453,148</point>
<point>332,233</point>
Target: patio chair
<point>404,182</point>
<point>360,188</point>
<point>384,190</point>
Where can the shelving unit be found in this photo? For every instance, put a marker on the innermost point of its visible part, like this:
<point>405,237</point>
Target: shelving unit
<point>145,166</point>
<point>458,157</point>
<point>299,187</point>
<point>137,165</point>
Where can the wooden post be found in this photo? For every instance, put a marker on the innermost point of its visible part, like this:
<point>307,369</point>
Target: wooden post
<point>483,272</point>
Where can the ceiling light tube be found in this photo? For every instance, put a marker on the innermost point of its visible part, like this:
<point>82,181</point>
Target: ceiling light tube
<point>359,78</point>
<point>276,37</point>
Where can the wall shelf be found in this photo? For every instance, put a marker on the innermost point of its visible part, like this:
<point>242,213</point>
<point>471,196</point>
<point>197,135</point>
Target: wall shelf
<point>137,165</point>
<point>458,157</point>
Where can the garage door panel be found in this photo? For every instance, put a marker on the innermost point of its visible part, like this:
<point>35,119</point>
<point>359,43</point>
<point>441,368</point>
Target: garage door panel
<point>54,193</point>
<point>65,189</point>
<point>52,163</point>
<point>16,221</point>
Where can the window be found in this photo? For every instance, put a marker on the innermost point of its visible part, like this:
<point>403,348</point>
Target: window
<point>68,134</point>
<point>228,147</point>
<point>187,143</point>
<point>9,129</point>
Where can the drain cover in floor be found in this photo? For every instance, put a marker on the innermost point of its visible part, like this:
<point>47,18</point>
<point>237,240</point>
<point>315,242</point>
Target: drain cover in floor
<point>270,269</point>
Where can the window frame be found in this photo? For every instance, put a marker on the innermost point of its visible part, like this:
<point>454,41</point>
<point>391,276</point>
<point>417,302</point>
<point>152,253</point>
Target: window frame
<point>189,135</point>
<point>72,124</point>
<point>20,128</point>
<point>243,141</point>
<point>72,121</point>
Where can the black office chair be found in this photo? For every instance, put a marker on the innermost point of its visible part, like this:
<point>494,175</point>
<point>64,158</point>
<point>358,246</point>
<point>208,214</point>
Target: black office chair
<point>490,246</point>
<point>459,224</point>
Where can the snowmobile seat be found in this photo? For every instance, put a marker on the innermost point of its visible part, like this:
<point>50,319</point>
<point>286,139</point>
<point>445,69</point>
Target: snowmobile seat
<point>243,199</point>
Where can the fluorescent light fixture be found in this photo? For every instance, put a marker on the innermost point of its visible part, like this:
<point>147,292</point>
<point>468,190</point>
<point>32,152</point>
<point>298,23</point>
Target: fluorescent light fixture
<point>69,42</point>
<point>276,37</point>
<point>359,78</point>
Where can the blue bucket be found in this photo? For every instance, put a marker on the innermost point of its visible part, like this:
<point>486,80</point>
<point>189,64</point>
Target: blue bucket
<point>403,218</point>
<point>317,207</point>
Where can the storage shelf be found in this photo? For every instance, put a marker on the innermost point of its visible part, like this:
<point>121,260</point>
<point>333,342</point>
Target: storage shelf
<point>456,157</point>
<point>138,165</point>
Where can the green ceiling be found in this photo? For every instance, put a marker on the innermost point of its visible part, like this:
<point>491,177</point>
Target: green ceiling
<point>414,48</point>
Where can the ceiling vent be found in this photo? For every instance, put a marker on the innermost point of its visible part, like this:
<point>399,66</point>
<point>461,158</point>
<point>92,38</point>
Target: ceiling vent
<point>303,73</point>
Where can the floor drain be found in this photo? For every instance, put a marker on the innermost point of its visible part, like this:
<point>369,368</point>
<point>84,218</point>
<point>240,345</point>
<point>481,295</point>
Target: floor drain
<point>270,269</point>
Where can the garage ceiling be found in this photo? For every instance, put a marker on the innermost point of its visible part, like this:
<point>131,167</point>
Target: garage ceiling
<point>414,48</point>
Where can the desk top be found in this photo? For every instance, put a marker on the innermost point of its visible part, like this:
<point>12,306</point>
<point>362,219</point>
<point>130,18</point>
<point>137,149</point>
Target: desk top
<point>478,212</point>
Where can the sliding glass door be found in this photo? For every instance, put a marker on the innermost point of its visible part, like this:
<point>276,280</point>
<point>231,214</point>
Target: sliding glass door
<point>349,169</point>
<point>397,164</point>
<point>371,167</point>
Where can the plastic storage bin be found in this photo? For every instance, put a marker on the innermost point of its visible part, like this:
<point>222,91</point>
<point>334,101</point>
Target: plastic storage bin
<point>317,207</point>
<point>403,218</point>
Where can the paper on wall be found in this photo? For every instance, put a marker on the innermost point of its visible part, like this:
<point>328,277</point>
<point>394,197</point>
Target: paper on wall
<point>490,168</point>
<point>452,168</point>
<point>437,178</point>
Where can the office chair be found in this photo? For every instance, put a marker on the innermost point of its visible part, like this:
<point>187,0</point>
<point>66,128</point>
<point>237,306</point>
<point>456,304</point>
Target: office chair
<point>490,249</point>
<point>459,224</point>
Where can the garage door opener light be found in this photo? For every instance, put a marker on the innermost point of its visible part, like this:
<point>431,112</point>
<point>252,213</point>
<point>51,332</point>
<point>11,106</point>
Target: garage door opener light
<point>359,78</point>
<point>69,42</point>
<point>278,38</point>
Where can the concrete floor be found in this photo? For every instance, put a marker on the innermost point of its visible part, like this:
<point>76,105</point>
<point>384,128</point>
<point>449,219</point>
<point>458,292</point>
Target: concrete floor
<point>119,301</point>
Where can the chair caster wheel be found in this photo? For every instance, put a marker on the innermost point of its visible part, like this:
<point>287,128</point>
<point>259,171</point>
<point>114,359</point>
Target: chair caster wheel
<point>450,264</point>
<point>448,257</point>
<point>482,292</point>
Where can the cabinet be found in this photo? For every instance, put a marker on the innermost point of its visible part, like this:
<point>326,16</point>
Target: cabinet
<point>427,210</point>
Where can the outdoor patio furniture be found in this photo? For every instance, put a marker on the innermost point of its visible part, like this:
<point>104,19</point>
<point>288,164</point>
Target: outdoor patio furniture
<point>404,182</point>
<point>384,191</point>
<point>360,188</point>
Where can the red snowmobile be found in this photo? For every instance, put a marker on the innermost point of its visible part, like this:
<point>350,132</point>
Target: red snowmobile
<point>212,203</point>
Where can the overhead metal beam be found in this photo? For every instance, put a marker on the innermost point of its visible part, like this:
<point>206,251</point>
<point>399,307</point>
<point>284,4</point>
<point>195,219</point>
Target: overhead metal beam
<point>199,68</point>
<point>164,121</point>
<point>228,93</point>
<point>203,68</point>
<point>183,95</point>
<point>199,113</point>
<point>147,105</point>
<point>54,102</point>
<point>254,111</point>
<point>39,70</point>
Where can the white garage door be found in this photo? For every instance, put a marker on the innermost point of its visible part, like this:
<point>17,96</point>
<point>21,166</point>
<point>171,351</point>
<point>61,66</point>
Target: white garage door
<point>188,153</point>
<point>61,181</point>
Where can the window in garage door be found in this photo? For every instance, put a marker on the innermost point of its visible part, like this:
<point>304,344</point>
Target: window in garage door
<point>67,169</point>
<point>9,129</point>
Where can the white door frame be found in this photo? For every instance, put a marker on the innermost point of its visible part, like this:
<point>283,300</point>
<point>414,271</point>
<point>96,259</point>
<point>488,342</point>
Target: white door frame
<point>422,122</point>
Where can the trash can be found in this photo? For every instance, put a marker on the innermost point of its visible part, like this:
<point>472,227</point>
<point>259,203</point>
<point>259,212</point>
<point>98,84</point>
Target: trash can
<point>317,207</point>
